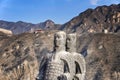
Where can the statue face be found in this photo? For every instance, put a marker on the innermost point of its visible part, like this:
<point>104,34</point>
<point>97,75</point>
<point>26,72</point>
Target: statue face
<point>60,39</point>
<point>71,41</point>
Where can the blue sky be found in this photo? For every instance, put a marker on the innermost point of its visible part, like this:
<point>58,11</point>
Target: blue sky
<point>35,11</point>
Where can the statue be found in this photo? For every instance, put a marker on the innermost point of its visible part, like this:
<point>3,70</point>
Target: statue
<point>65,65</point>
<point>79,61</point>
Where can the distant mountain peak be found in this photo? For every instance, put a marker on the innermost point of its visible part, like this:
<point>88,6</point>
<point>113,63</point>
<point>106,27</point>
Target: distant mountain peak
<point>20,22</point>
<point>49,20</point>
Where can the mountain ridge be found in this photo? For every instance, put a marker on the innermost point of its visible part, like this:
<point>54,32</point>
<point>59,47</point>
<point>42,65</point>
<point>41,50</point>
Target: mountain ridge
<point>21,27</point>
<point>95,20</point>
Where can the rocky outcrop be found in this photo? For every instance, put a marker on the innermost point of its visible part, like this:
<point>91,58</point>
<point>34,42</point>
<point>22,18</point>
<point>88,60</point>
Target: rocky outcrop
<point>95,20</point>
<point>7,32</point>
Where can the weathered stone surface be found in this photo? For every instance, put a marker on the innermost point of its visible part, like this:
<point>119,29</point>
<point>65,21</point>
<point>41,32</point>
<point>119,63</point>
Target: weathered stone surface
<point>79,61</point>
<point>59,46</point>
<point>69,64</point>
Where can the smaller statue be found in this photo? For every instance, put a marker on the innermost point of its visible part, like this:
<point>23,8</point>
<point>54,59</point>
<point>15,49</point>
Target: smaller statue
<point>79,61</point>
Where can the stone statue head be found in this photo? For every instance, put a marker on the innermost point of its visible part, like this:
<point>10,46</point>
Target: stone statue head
<point>71,42</point>
<point>59,41</point>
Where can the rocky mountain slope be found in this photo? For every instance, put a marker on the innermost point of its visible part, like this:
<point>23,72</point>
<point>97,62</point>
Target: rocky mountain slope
<point>95,20</point>
<point>21,27</point>
<point>22,54</point>
<point>17,60</point>
<point>101,52</point>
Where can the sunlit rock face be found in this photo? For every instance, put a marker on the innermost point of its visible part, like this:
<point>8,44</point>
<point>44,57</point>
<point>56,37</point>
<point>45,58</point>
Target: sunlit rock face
<point>95,20</point>
<point>5,31</point>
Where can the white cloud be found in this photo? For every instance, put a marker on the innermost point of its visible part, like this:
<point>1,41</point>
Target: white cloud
<point>114,1</point>
<point>104,2</point>
<point>94,2</point>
